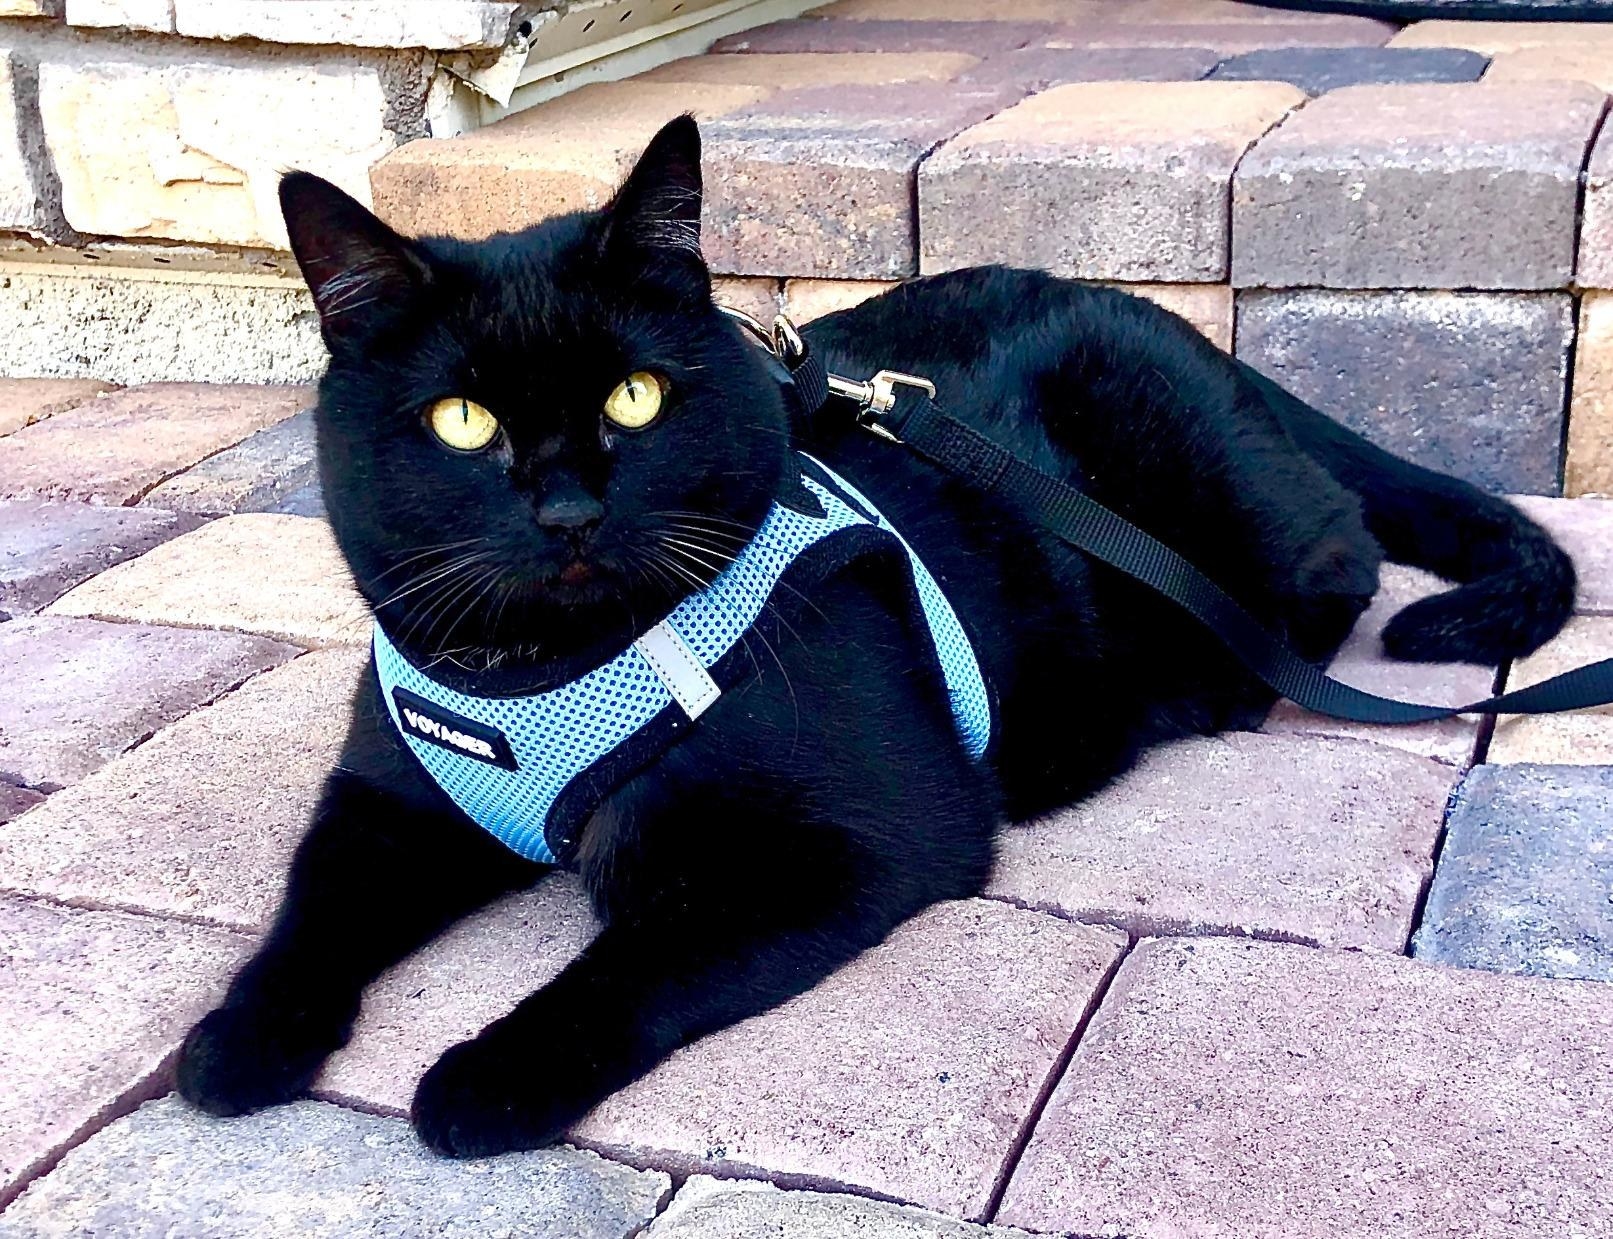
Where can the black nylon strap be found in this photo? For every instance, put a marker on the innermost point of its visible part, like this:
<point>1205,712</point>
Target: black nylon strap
<point>1092,528</point>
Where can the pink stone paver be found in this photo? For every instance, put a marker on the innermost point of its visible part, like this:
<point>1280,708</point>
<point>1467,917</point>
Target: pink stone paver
<point>1227,38</point>
<point>116,448</point>
<point>1267,1091</point>
<point>26,401</point>
<point>1362,663</point>
<point>1584,527</point>
<point>200,821</point>
<point>93,1004</point>
<point>1308,838</point>
<point>906,1074</point>
<point>454,988</point>
<point>79,692</point>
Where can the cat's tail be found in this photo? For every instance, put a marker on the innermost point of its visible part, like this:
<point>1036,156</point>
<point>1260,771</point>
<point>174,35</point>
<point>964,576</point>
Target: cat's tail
<point>1515,585</point>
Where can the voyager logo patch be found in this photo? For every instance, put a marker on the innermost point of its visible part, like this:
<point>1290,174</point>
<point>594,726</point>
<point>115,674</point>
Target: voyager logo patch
<point>447,730</point>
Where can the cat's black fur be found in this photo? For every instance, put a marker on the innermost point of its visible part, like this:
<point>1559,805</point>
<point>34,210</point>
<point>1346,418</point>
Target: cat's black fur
<point>828,797</point>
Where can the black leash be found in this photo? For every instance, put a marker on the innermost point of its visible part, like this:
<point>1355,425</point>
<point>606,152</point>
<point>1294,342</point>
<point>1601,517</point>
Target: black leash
<point>903,409</point>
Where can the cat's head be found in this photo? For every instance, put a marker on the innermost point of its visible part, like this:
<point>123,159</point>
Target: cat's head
<point>535,445</point>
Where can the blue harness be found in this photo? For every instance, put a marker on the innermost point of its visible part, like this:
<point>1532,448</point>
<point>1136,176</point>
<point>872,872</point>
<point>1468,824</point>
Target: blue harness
<point>531,769</point>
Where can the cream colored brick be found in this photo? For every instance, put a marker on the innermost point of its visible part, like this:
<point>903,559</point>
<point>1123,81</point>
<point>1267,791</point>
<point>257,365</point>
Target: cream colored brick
<point>153,15</point>
<point>443,25</point>
<point>789,70</point>
<point>1207,306</point>
<point>566,155</point>
<point>805,300</point>
<point>1496,38</point>
<point>757,297</point>
<point>30,8</point>
<point>1579,738</point>
<point>1592,63</point>
<point>194,150</point>
<point>1590,414</point>
<point>280,576</point>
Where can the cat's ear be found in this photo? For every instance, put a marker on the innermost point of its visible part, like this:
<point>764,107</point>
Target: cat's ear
<point>362,274</point>
<point>656,214</point>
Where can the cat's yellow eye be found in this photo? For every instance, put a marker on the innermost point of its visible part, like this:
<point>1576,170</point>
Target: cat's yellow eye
<point>462,424</point>
<point>636,402</point>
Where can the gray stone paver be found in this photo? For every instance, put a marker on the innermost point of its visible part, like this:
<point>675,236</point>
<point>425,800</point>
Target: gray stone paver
<point>48,546</point>
<point>1584,527</point>
<point>1525,880</point>
<point>1316,70</point>
<point>705,1208</point>
<point>93,1005</point>
<point>314,1171</point>
<point>258,474</point>
<point>79,692</point>
<point>15,800</point>
<point>199,821</point>
<point>1260,1089</point>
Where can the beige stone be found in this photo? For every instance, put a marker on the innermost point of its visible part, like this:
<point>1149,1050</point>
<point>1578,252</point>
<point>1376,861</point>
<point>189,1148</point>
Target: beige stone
<point>1218,12</point>
<point>1497,38</point>
<point>1566,63</point>
<point>1589,470</point>
<point>1596,223</point>
<point>1580,738</point>
<point>966,10</point>
<point>280,576</point>
<point>156,16</point>
<point>26,202</point>
<point>201,820</point>
<point>757,297</point>
<point>26,401</point>
<point>787,71</point>
<point>805,300</point>
<point>442,25</point>
<point>1207,307</point>
<point>30,8</point>
<point>566,155</point>
<point>192,149</point>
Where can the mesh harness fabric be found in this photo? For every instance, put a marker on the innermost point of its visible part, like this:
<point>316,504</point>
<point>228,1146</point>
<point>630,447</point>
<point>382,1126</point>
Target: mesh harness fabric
<point>530,769</point>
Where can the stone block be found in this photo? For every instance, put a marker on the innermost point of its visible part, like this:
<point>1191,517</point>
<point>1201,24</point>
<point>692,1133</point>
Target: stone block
<point>791,71</point>
<point>1584,528</point>
<point>115,449</point>
<point>1309,839</point>
<point>1468,185</point>
<point>757,297</point>
<point>1596,230</point>
<point>1227,38</point>
<point>1580,738</point>
<point>26,401</point>
<point>131,327</point>
<point>28,201</point>
<point>1523,879</point>
<point>79,692</point>
<point>1206,307</point>
<point>94,1005</point>
<point>820,182</point>
<point>453,988</point>
<point>1593,65</point>
<point>1107,181</point>
<point>153,16</point>
<point>1495,38</point>
<point>1255,1088</point>
<point>443,25</point>
<point>178,147</point>
<point>256,475</point>
<point>1317,70</point>
<point>705,1207</point>
<point>319,1172</point>
<point>15,800</point>
<point>962,10</point>
<point>47,547</point>
<point>1362,663</point>
<point>1033,69</point>
<point>906,1075</point>
<point>1472,384</point>
<point>201,820</point>
<point>280,576</point>
<point>805,300</point>
<point>30,8</point>
<point>565,155</point>
<point>810,35</point>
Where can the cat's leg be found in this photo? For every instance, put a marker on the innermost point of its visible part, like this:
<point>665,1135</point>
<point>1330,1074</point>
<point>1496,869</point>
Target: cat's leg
<point>375,878</point>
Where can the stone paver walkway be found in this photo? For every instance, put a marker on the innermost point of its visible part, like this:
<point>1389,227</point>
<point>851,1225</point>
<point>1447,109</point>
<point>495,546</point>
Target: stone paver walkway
<point>1317,980</point>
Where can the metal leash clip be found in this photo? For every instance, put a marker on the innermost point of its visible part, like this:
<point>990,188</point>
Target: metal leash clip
<point>873,398</point>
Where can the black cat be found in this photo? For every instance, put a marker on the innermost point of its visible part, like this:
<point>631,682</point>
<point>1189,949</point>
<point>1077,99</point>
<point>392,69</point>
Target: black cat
<point>535,446</point>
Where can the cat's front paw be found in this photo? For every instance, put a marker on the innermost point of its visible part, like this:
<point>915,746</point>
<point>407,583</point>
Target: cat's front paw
<point>477,1101</point>
<point>235,1061</point>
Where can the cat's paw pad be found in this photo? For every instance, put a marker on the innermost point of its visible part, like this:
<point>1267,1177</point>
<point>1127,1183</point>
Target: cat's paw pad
<point>476,1102</point>
<point>234,1062</point>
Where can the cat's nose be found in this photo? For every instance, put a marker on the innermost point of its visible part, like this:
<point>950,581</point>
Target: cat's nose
<point>571,508</point>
